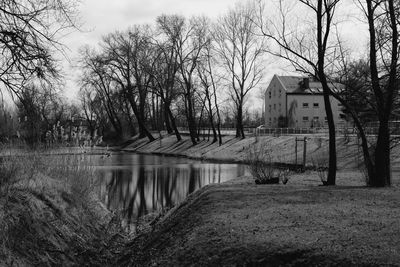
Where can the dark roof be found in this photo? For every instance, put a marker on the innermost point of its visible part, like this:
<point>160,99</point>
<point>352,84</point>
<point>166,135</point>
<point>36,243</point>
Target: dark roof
<point>295,85</point>
<point>290,83</point>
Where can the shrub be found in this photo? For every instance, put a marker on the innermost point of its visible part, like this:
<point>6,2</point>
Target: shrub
<point>321,166</point>
<point>260,162</point>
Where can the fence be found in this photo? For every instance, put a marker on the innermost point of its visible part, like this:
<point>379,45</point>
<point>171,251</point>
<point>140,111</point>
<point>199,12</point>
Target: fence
<point>340,131</point>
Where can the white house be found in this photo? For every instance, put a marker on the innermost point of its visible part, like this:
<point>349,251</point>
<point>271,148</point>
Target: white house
<point>295,101</point>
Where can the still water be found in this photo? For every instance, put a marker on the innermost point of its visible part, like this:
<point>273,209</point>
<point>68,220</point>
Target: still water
<point>138,184</point>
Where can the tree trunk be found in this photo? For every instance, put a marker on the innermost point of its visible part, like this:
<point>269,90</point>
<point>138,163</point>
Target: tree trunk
<point>382,157</point>
<point>332,134</point>
<point>200,124</point>
<point>167,118</point>
<point>215,139</point>
<point>154,109</point>
<point>190,116</point>
<point>143,132</point>
<point>172,119</point>
<point>239,122</point>
<point>218,117</point>
<point>211,117</point>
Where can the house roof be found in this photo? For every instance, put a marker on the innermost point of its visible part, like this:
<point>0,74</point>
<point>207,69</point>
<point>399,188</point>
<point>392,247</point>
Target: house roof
<point>295,85</point>
<point>290,83</point>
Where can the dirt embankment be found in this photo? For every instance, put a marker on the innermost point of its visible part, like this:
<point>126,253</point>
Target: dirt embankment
<point>42,223</point>
<point>241,224</point>
<point>281,148</point>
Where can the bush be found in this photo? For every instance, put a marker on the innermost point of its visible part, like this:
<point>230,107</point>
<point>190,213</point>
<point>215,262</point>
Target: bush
<point>260,162</point>
<point>321,166</point>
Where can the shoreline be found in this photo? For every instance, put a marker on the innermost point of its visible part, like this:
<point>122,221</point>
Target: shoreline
<point>234,151</point>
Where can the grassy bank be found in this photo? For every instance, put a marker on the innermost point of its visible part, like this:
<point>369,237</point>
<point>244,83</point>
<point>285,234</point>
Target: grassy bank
<point>242,224</point>
<point>282,149</point>
<point>50,214</point>
<point>239,223</point>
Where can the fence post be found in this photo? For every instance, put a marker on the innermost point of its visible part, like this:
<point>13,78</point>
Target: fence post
<point>304,152</point>
<point>295,151</point>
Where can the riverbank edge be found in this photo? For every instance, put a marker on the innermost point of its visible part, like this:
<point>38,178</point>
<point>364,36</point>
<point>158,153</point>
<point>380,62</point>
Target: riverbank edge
<point>54,220</point>
<point>204,156</point>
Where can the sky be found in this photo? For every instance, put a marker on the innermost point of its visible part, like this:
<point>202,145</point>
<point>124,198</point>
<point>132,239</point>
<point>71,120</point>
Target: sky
<point>100,17</point>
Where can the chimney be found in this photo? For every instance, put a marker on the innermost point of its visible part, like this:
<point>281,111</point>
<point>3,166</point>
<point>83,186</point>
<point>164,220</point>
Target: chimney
<point>306,83</point>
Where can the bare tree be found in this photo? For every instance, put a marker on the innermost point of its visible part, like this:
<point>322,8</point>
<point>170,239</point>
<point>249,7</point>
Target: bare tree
<point>383,18</point>
<point>241,52</point>
<point>164,74</point>
<point>95,77</point>
<point>125,55</point>
<point>29,36</point>
<point>189,39</point>
<point>308,53</point>
<point>206,73</point>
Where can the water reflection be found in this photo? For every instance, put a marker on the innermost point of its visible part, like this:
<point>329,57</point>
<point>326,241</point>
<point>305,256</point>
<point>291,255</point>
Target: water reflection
<point>139,184</point>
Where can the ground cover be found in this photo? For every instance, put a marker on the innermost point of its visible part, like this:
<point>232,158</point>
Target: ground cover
<point>242,224</point>
<point>50,216</point>
<point>239,223</point>
<point>282,149</point>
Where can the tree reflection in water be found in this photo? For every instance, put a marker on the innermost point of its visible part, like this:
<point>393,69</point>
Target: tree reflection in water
<point>149,183</point>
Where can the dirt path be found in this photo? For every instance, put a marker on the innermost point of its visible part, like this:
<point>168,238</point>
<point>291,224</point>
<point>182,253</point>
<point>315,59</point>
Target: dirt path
<point>243,224</point>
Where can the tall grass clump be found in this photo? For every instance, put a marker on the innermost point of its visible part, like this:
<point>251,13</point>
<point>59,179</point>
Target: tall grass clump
<point>76,172</point>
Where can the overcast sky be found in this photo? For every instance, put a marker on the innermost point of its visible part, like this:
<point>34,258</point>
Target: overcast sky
<point>100,17</point>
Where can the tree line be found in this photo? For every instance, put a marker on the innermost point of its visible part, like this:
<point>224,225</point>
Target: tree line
<point>175,72</point>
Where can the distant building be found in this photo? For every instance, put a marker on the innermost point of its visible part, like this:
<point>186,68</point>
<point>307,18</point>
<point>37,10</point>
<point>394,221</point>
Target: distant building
<point>293,101</point>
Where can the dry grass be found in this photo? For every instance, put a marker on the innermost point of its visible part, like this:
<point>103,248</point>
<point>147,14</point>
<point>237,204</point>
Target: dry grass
<point>242,224</point>
<point>283,149</point>
<point>49,214</point>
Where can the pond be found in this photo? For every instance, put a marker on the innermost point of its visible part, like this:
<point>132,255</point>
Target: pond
<point>139,184</point>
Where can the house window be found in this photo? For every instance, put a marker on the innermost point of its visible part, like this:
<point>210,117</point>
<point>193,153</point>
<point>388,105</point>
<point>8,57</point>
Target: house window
<point>280,92</point>
<point>326,118</point>
<point>280,107</point>
<point>305,118</point>
<point>316,105</point>
<point>269,93</point>
<point>305,105</point>
<point>316,118</point>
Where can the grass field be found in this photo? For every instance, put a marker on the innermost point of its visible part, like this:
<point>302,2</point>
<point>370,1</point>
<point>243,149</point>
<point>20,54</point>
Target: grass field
<point>242,224</point>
